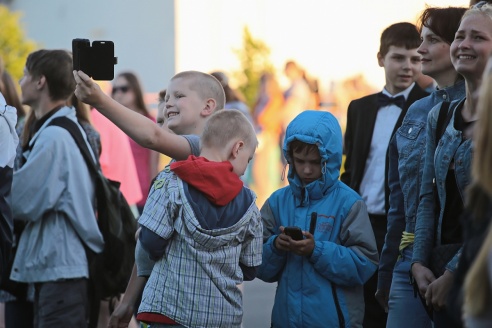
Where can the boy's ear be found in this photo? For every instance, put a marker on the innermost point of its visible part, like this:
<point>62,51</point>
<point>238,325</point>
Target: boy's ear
<point>380,60</point>
<point>41,82</point>
<point>238,145</point>
<point>209,108</point>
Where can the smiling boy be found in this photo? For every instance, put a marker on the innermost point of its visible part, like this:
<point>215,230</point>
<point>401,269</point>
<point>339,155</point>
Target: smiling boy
<point>190,98</point>
<point>371,123</point>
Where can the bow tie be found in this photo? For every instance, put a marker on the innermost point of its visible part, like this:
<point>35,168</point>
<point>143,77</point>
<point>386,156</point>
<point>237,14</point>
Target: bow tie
<point>384,100</point>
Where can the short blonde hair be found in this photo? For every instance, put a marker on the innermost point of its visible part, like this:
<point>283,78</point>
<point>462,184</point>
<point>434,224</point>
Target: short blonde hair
<point>226,125</point>
<point>205,85</point>
<point>482,7</point>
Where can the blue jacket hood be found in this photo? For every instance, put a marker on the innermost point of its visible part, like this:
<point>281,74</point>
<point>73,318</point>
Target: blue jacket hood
<point>321,129</point>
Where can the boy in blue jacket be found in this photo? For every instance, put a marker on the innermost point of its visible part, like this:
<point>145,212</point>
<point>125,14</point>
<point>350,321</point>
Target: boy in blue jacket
<point>320,277</point>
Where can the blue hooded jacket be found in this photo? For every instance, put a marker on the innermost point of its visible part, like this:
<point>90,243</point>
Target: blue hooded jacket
<point>326,288</point>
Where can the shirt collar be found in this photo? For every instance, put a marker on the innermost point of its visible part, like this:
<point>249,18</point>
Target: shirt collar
<point>404,93</point>
<point>3,102</point>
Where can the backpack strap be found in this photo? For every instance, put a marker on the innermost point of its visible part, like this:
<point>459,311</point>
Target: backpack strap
<point>74,131</point>
<point>93,290</point>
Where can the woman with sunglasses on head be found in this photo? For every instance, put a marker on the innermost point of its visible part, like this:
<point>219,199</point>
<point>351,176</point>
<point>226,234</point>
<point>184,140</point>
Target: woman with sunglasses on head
<point>437,27</point>
<point>448,163</point>
<point>127,90</point>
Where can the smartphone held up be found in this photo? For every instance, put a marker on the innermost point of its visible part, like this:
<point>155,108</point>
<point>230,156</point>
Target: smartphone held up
<point>96,60</point>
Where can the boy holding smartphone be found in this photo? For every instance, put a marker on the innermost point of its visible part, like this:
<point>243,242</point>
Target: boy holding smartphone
<point>190,98</point>
<point>320,278</point>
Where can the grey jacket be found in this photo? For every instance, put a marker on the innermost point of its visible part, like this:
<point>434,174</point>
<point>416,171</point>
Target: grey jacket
<point>54,193</point>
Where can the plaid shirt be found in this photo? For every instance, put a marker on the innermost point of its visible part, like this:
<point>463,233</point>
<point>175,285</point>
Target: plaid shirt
<point>195,283</point>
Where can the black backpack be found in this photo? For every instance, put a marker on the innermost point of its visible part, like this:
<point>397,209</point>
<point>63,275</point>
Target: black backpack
<point>110,270</point>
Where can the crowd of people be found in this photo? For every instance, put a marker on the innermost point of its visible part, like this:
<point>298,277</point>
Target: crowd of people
<point>397,234</point>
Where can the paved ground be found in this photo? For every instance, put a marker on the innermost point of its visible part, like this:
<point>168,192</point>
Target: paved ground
<point>257,303</point>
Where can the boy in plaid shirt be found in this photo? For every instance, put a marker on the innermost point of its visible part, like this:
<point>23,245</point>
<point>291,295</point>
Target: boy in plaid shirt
<point>202,226</point>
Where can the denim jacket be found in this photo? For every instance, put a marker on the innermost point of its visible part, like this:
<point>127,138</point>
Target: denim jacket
<point>406,164</point>
<point>437,163</point>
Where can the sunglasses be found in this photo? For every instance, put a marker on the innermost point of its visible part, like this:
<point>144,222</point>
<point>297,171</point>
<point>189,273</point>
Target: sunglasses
<point>123,89</point>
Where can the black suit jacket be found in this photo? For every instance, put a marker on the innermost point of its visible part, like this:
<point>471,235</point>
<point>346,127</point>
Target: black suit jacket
<point>361,117</point>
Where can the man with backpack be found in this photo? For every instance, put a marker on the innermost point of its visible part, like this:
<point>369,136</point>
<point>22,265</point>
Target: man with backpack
<point>54,192</point>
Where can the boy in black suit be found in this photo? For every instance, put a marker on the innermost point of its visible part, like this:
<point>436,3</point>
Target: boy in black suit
<point>371,122</point>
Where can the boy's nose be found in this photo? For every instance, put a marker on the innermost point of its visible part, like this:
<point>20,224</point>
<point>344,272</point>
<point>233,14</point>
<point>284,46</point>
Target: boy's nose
<point>307,170</point>
<point>406,64</point>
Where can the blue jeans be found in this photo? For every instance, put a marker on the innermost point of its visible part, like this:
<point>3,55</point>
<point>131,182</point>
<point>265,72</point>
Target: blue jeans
<point>405,309</point>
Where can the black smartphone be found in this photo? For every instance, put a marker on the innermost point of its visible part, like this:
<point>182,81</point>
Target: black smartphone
<point>294,233</point>
<point>96,60</point>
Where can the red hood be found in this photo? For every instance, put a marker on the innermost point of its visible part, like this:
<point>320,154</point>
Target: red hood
<point>215,179</point>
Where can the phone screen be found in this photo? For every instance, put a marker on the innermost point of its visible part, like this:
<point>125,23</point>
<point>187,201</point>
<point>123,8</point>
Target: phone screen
<point>97,61</point>
<point>294,233</point>
<point>102,60</point>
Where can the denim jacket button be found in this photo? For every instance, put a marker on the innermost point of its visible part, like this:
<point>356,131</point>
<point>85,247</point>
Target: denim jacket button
<point>444,96</point>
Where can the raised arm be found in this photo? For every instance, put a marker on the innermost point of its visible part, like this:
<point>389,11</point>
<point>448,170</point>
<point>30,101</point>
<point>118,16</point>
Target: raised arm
<point>138,127</point>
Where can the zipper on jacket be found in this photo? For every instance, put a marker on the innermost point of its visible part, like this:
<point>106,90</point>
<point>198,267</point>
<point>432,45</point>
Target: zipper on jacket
<point>341,319</point>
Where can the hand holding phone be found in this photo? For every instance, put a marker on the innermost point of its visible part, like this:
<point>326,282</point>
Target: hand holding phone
<point>294,232</point>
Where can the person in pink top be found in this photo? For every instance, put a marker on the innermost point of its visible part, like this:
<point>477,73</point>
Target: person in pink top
<point>117,158</point>
<point>127,90</point>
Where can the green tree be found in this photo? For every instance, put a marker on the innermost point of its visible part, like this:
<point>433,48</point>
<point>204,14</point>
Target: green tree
<point>254,61</point>
<point>14,46</point>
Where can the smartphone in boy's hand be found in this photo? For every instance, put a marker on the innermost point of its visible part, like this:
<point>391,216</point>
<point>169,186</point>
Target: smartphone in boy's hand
<point>294,233</point>
<point>97,60</point>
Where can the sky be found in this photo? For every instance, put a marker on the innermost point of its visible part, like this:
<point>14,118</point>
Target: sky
<point>331,40</point>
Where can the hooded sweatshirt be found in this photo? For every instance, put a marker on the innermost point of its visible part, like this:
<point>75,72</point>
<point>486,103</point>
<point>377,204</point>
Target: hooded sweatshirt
<point>212,227</point>
<point>324,289</point>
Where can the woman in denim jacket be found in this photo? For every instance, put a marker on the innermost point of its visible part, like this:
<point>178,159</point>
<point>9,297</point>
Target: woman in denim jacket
<point>449,164</point>
<point>406,163</point>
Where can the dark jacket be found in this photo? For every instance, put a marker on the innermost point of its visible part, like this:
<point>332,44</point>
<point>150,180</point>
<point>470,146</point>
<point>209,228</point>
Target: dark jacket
<point>361,118</point>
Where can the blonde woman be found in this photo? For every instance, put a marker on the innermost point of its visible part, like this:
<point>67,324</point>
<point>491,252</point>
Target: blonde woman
<point>448,163</point>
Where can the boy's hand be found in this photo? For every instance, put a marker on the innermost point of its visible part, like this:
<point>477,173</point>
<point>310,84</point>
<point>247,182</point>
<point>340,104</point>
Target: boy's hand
<point>87,91</point>
<point>282,242</point>
<point>121,316</point>
<point>303,247</point>
<point>423,276</point>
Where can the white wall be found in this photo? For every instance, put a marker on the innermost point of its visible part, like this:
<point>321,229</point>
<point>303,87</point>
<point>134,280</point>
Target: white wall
<point>143,31</point>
